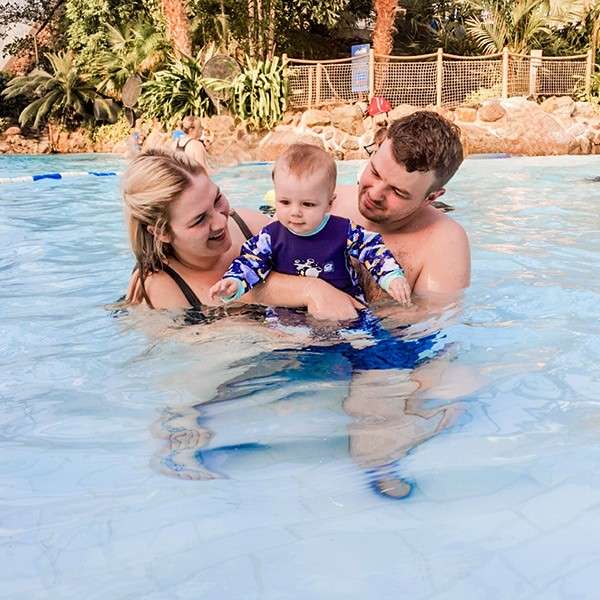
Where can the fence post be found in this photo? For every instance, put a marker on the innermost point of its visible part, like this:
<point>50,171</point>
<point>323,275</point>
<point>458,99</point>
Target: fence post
<point>371,73</point>
<point>534,64</point>
<point>505,59</point>
<point>440,77</point>
<point>310,86</point>
<point>318,85</point>
<point>589,71</point>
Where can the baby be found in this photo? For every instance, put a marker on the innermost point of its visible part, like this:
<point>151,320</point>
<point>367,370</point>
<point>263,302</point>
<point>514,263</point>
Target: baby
<point>306,240</point>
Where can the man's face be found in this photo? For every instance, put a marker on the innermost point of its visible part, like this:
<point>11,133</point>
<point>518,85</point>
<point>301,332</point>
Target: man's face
<point>388,194</point>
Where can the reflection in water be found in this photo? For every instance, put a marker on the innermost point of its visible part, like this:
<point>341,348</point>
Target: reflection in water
<point>286,404</point>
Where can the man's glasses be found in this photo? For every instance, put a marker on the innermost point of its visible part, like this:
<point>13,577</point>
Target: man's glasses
<point>370,148</point>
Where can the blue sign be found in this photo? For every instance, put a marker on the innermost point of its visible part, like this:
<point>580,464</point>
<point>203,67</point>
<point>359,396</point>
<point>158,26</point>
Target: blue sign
<point>360,67</point>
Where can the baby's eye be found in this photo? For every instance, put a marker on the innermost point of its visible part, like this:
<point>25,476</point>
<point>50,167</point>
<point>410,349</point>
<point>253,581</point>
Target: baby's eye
<point>284,202</point>
<point>309,204</point>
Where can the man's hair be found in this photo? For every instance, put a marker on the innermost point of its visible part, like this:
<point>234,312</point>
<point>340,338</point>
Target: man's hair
<point>425,141</point>
<point>301,160</point>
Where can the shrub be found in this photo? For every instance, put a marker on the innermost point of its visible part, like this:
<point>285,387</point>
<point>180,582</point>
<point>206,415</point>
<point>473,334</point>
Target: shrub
<point>176,91</point>
<point>259,92</point>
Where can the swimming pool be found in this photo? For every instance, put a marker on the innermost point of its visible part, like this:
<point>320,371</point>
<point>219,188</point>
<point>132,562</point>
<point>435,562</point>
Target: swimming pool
<point>506,503</point>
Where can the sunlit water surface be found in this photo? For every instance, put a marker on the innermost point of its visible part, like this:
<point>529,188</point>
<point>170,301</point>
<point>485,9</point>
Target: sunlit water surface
<point>506,503</point>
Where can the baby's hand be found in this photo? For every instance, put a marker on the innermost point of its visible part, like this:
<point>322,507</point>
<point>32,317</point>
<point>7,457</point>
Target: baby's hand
<point>223,289</point>
<point>399,290</point>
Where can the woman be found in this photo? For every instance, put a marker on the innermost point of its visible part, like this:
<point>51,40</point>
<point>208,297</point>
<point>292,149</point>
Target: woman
<point>183,240</point>
<point>190,142</point>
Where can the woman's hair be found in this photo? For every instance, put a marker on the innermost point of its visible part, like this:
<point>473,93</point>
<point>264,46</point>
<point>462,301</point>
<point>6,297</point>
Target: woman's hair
<point>152,181</point>
<point>189,122</point>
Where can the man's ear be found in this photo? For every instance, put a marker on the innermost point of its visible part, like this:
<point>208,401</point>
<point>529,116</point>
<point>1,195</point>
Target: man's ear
<point>164,237</point>
<point>435,195</point>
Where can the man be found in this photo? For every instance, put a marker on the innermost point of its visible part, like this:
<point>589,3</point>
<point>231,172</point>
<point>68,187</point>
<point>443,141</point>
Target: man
<point>419,156</point>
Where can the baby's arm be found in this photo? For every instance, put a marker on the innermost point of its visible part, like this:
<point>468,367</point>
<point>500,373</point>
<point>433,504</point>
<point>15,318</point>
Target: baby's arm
<point>251,267</point>
<point>369,249</point>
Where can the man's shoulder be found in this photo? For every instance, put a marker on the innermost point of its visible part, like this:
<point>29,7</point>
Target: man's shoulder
<point>443,227</point>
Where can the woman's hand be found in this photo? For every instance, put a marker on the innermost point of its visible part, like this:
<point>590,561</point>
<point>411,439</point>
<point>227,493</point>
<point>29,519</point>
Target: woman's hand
<point>223,289</point>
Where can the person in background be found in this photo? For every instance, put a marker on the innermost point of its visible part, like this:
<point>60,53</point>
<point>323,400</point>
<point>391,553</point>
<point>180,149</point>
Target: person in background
<point>189,141</point>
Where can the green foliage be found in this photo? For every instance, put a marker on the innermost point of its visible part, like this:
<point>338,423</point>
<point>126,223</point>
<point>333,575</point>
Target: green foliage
<point>176,91</point>
<point>524,24</point>
<point>477,98</point>
<point>38,12</point>
<point>259,93</point>
<point>111,134</point>
<point>135,49</point>
<point>63,93</point>
<point>88,22</point>
<point>10,108</point>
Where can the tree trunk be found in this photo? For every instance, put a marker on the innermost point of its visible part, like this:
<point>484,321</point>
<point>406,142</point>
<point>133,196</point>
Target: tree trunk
<point>271,32</point>
<point>251,29</point>
<point>383,34</point>
<point>178,25</point>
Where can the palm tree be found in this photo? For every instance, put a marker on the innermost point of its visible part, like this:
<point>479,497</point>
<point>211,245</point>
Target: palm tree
<point>383,33</point>
<point>136,49</point>
<point>175,13</point>
<point>62,93</point>
<point>516,24</point>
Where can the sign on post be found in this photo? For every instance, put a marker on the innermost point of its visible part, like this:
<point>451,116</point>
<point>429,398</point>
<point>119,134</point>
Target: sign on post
<point>360,68</point>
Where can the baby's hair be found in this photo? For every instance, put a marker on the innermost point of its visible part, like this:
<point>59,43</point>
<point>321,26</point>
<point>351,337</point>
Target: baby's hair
<point>301,160</point>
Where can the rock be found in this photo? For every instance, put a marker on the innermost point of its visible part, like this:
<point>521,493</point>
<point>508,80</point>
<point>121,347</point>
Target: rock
<point>491,112</point>
<point>574,129</point>
<point>355,155</point>
<point>4,148</point>
<point>479,140</point>
<point>12,131</point>
<point>121,147</point>
<point>596,138</point>
<point>585,109</point>
<point>466,114</point>
<point>563,106</point>
<point>585,144</point>
<point>44,147</point>
<point>350,144</point>
<point>348,118</point>
<point>276,142</point>
<point>220,124</point>
<point>328,133</point>
<point>313,117</point>
<point>402,110</point>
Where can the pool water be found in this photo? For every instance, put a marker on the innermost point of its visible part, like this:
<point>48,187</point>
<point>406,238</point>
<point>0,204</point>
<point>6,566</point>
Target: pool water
<point>505,502</point>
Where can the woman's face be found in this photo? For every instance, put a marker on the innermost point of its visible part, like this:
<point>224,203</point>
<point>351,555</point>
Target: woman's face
<point>199,222</point>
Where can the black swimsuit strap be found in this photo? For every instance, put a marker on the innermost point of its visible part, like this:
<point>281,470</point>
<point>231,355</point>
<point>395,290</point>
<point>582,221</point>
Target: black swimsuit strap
<point>186,290</point>
<point>182,146</point>
<point>241,224</point>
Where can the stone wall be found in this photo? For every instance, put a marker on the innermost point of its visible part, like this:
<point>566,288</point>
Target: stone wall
<point>518,126</point>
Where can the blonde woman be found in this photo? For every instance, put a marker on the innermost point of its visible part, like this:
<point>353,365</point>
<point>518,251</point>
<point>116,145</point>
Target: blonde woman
<point>183,241</point>
<point>190,142</point>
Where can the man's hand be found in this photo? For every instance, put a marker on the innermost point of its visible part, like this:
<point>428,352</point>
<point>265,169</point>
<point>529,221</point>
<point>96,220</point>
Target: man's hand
<point>399,290</point>
<point>223,289</point>
<point>326,303</point>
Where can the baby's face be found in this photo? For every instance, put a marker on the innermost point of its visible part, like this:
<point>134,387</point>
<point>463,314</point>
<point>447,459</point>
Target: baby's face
<point>301,203</point>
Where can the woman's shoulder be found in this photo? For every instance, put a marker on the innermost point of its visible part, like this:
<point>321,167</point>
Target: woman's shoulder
<point>161,290</point>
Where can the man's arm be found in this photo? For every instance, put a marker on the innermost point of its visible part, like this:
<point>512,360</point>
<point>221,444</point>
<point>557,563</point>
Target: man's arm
<point>321,299</point>
<point>447,265</point>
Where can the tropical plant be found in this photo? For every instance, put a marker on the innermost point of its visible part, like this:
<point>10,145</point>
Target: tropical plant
<point>63,93</point>
<point>517,24</point>
<point>136,49</point>
<point>87,22</point>
<point>10,109</point>
<point>176,91</point>
<point>259,92</point>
